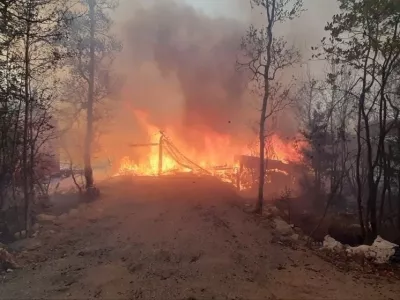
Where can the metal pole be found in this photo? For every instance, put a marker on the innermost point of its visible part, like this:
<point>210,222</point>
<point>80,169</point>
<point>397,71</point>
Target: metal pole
<point>160,155</point>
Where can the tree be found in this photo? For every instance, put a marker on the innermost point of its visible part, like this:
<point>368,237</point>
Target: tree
<point>325,111</point>
<point>265,56</point>
<point>41,23</point>
<point>365,36</point>
<point>92,49</point>
<point>317,155</point>
<point>29,53</point>
<point>393,166</point>
<point>10,111</point>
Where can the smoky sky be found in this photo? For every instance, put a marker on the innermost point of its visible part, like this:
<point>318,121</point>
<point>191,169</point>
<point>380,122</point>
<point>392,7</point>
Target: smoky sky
<point>180,64</point>
<point>195,50</point>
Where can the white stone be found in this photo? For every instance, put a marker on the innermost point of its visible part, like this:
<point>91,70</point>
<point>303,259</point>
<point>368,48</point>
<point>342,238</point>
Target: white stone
<point>331,244</point>
<point>380,251</point>
<point>282,227</point>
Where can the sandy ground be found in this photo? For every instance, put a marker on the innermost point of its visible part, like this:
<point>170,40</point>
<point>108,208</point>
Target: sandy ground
<point>174,238</point>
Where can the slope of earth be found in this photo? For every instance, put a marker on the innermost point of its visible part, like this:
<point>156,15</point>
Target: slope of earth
<point>173,238</point>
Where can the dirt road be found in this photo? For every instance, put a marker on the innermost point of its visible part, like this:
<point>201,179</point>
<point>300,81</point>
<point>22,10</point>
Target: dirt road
<point>173,238</point>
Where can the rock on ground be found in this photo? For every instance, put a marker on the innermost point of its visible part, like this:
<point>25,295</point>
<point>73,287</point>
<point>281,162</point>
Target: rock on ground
<point>381,251</point>
<point>332,244</point>
<point>7,260</point>
<point>282,227</point>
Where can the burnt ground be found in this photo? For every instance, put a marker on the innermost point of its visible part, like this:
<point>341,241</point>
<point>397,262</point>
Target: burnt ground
<point>174,238</point>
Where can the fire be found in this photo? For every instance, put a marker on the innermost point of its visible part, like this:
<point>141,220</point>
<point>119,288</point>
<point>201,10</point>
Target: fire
<point>284,151</point>
<point>174,155</point>
<point>150,165</point>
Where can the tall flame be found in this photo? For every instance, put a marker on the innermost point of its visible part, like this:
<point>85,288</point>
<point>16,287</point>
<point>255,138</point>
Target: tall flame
<point>216,156</point>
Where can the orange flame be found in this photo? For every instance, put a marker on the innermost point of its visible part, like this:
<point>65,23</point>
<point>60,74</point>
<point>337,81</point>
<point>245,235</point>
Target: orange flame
<point>284,151</point>
<point>217,156</point>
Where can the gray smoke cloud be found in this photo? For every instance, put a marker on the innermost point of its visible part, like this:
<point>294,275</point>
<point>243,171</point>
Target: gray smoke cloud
<point>202,54</point>
<point>179,63</point>
<point>180,68</point>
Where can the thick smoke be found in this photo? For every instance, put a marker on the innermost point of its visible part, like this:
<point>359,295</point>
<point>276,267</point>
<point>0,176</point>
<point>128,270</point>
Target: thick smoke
<point>179,65</point>
<point>181,69</point>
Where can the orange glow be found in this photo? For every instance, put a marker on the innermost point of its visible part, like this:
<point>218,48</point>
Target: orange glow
<point>216,157</point>
<point>284,151</point>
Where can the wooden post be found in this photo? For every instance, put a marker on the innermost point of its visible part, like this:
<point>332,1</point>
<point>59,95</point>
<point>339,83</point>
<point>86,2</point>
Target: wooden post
<point>160,156</point>
<point>239,175</point>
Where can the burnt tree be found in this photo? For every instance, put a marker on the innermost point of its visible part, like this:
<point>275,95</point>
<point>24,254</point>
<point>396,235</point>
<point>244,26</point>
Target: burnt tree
<point>265,56</point>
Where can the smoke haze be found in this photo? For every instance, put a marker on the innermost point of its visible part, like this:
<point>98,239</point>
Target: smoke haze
<point>179,65</point>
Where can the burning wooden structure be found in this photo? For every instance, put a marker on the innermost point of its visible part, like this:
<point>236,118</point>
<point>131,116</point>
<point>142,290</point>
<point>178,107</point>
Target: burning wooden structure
<point>279,174</point>
<point>239,170</point>
<point>165,145</point>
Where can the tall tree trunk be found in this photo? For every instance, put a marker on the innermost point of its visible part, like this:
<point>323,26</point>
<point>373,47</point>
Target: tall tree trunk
<point>89,121</point>
<point>32,143</point>
<point>372,196</point>
<point>398,181</point>
<point>398,202</point>
<point>261,179</point>
<point>5,118</point>
<point>25,148</point>
<point>263,118</point>
<point>363,133</point>
<point>360,185</point>
<point>385,188</point>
